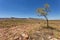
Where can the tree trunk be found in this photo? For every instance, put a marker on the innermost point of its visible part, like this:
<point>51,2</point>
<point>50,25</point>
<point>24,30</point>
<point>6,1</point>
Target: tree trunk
<point>46,21</point>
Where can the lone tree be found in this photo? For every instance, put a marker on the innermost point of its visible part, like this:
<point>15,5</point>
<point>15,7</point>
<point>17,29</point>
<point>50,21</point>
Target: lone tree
<point>43,12</point>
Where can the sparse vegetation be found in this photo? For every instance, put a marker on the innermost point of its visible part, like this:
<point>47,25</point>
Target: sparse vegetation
<point>43,12</point>
<point>10,29</point>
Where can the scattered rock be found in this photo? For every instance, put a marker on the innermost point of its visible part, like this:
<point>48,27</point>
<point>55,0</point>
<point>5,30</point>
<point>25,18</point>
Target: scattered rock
<point>25,36</point>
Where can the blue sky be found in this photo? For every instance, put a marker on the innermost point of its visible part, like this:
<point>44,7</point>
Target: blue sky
<point>27,8</point>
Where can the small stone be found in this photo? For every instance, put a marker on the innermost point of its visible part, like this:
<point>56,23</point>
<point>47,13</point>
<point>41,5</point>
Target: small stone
<point>49,37</point>
<point>24,35</point>
<point>15,37</point>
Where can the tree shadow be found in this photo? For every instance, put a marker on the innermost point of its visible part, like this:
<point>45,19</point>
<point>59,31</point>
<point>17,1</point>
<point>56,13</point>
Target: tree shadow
<point>51,28</point>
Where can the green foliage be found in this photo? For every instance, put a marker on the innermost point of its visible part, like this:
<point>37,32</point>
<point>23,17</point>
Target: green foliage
<point>44,11</point>
<point>46,6</point>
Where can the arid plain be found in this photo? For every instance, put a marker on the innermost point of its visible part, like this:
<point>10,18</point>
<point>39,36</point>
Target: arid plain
<point>12,28</point>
